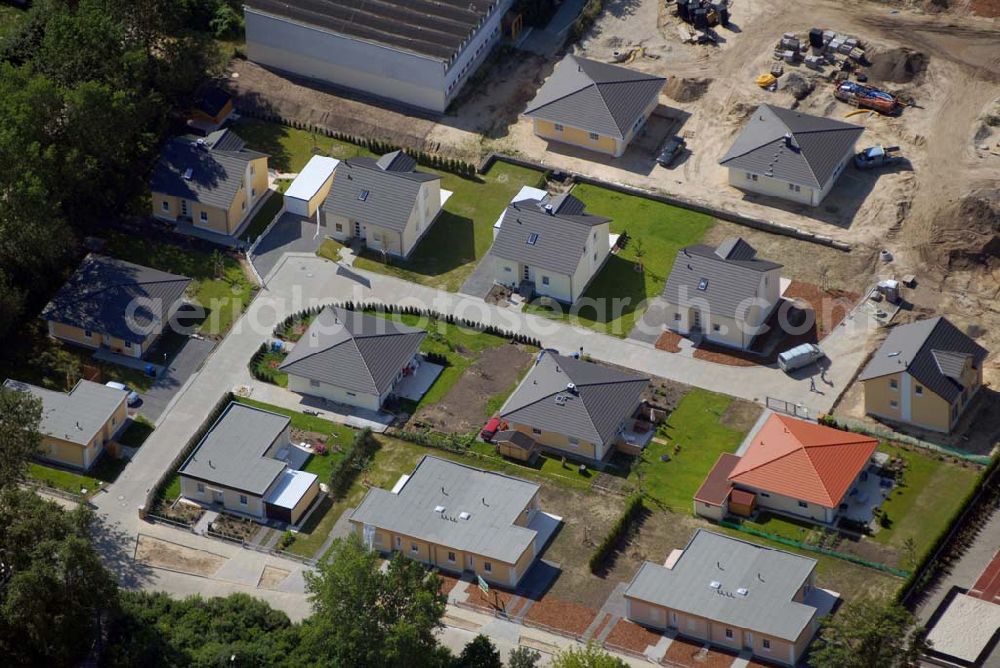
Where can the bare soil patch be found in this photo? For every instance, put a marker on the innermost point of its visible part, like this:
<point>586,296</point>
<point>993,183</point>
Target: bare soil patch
<point>563,615</point>
<point>271,577</point>
<point>237,528</point>
<point>830,306</point>
<point>665,393</point>
<point>686,89</point>
<point>164,554</point>
<point>669,341</point>
<point>684,652</point>
<point>729,357</point>
<point>899,65</point>
<point>180,511</point>
<point>740,415</point>
<point>463,409</point>
<point>631,636</point>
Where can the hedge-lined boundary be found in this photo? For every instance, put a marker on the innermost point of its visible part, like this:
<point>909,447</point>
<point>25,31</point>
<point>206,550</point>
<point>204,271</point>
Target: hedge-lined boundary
<point>854,426</point>
<point>377,146</point>
<point>954,534</point>
<point>254,366</point>
<point>186,451</point>
<point>395,309</point>
<point>622,528</point>
<point>344,472</point>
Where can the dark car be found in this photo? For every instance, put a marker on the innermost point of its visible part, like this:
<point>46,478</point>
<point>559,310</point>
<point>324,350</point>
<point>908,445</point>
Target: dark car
<point>670,150</point>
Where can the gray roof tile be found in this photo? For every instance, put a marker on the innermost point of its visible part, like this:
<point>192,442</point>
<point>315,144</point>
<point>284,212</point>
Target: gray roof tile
<point>98,295</point>
<point>492,500</point>
<point>594,96</point>
<point>727,282</point>
<point>354,351</point>
<point>232,453</point>
<point>217,167</point>
<point>559,235</point>
<point>382,192</point>
<point>809,158</point>
<point>771,578</point>
<point>933,351</point>
<point>75,416</point>
<point>602,398</point>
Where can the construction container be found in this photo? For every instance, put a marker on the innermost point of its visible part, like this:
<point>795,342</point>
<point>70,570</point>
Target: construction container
<point>816,38</point>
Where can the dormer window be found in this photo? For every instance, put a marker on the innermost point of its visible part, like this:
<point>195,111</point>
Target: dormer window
<point>703,284</point>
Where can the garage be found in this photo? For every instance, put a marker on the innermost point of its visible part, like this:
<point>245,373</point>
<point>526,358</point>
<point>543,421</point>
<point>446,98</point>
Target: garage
<point>311,186</point>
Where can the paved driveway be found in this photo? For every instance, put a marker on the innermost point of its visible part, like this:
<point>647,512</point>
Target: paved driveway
<point>480,282</point>
<point>185,362</point>
<point>291,234</point>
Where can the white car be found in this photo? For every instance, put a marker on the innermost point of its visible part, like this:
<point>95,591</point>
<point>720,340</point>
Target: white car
<point>133,397</point>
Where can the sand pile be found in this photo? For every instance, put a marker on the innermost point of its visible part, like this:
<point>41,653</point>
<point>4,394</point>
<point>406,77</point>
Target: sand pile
<point>897,65</point>
<point>686,89</point>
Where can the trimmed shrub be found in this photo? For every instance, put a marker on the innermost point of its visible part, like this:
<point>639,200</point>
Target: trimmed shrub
<point>621,529</point>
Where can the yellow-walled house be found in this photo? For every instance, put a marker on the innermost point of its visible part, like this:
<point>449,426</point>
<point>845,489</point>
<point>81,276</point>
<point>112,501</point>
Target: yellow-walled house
<point>459,519</point>
<point>386,204</point>
<point>594,105</point>
<point>732,594</point>
<point>573,407</point>
<point>76,426</point>
<point>115,305</point>
<point>212,183</point>
<point>924,374</point>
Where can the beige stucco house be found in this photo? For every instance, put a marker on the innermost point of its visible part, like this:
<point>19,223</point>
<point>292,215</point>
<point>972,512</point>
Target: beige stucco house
<point>212,182</point>
<point>925,374</point>
<point>459,519</point>
<point>594,105</point>
<point>573,407</point>
<point>386,203</point>
<point>78,425</point>
<point>732,594</point>
<point>247,464</point>
<point>115,305</point>
<point>723,294</point>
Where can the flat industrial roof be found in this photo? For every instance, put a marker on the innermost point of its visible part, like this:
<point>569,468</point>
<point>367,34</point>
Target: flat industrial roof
<point>965,630</point>
<point>312,177</point>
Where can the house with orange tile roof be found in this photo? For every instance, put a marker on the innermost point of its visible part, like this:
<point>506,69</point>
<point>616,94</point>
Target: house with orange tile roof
<point>798,468</point>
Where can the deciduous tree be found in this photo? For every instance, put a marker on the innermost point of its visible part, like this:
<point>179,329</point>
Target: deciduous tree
<point>20,414</point>
<point>869,634</point>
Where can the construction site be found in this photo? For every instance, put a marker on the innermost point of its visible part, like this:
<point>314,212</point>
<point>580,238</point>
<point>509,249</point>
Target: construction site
<point>921,78</point>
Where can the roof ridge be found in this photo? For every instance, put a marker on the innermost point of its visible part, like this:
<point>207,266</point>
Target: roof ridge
<point>364,359</point>
<point>815,468</point>
<point>771,461</point>
<point>604,101</point>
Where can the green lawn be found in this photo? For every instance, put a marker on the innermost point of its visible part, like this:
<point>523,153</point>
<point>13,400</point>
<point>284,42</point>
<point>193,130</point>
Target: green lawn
<point>922,506</point>
<point>290,149</point>
<point>694,426</point>
<point>263,217</point>
<point>103,473</point>
<point>172,490</point>
<point>223,299</point>
<point>330,250</point>
<point>660,230</point>
<point>137,431</point>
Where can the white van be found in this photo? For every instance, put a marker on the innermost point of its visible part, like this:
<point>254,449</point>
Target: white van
<point>799,356</point>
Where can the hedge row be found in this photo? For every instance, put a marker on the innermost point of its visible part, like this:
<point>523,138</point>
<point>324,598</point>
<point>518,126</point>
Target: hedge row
<point>377,146</point>
<point>621,529</point>
<point>950,541</point>
<point>395,309</point>
<point>430,439</point>
<point>257,370</point>
<point>282,329</point>
<point>344,472</point>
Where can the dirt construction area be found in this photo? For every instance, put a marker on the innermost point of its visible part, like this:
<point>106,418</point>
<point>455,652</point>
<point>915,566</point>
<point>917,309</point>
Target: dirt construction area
<point>937,212</point>
<point>173,557</point>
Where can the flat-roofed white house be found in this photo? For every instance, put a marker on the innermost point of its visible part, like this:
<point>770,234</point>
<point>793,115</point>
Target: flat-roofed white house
<point>246,464</point>
<point>733,594</point>
<point>724,294</point>
<point>550,247</point>
<point>459,519</point>
<point>788,154</point>
<point>387,203</point>
<point>353,358</point>
<point>310,188</point>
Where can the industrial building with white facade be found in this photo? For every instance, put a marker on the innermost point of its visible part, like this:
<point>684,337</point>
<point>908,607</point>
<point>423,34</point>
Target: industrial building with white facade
<point>414,52</point>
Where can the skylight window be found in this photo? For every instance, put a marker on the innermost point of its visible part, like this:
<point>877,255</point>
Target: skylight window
<point>703,284</point>
<point>188,173</point>
<point>363,195</point>
<point>532,239</point>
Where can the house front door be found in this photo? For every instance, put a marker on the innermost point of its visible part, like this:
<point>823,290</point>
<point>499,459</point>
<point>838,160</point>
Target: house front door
<point>526,273</point>
<point>470,563</point>
<point>748,640</point>
<point>695,319</point>
<point>217,496</point>
<point>184,208</point>
<point>358,230</point>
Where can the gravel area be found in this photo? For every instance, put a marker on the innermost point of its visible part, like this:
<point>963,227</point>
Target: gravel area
<point>632,636</point>
<point>669,342</point>
<point>687,653</point>
<point>563,615</point>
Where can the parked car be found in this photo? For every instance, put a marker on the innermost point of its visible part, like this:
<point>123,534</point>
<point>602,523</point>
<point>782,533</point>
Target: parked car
<point>133,397</point>
<point>877,156</point>
<point>490,430</point>
<point>672,148</point>
<point>799,356</point>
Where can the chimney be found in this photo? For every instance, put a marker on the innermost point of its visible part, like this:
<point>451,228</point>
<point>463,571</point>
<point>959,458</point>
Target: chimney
<point>548,209</point>
<point>790,140</point>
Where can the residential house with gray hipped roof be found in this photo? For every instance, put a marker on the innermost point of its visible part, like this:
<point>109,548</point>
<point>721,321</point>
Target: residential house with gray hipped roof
<point>459,519</point>
<point>574,407</point>
<point>387,204</point>
<point>247,464</point>
<point>722,294</point>
<point>115,305</point>
<point>212,183</point>
<point>594,105</point>
<point>353,358</point>
<point>788,154</point>
<point>925,374</point>
<point>550,247</point>
<point>78,425</point>
<point>733,594</point>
